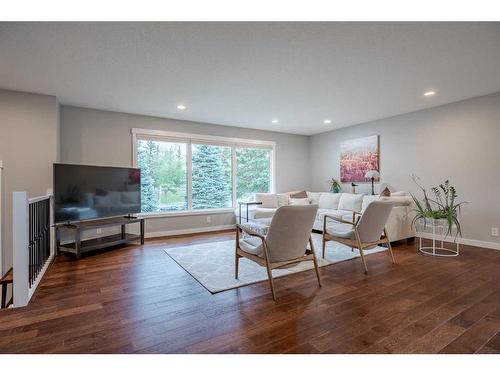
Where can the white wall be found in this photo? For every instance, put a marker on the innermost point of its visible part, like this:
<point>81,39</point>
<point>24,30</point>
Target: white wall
<point>29,128</point>
<point>103,138</point>
<point>458,141</point>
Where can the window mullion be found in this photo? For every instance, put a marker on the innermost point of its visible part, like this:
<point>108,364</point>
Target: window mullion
<point>189,152</point>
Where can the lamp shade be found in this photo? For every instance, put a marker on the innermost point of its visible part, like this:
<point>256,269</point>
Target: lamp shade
<point>372,174</point>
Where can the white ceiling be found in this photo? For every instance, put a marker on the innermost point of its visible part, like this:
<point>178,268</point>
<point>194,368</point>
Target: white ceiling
<point>246,74</point>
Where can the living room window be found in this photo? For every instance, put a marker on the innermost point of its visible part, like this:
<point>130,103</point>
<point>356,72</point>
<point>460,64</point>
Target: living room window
<point>211,176</point>
<point>188,174</point>
<point>163,175</point>
<point>253,171</point>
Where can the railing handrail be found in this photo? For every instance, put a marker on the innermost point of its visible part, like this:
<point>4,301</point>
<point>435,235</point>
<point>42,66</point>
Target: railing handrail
<point>39,198</point>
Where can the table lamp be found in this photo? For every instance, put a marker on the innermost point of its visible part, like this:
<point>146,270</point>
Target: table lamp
<point>372,175</point>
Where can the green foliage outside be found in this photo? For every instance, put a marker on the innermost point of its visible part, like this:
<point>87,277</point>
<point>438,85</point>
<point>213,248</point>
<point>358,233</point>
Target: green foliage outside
<point>212,187</point>
<point>163,176</point>
<point>253,172</point>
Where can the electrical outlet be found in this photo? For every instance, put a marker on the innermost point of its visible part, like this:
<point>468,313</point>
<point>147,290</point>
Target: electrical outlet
<point>209,219</point>
<point>99,230</point>
<point>494,232</point>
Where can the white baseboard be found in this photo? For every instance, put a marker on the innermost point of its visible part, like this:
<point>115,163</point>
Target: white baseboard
<point>464,241</point>
<point>178,232</point>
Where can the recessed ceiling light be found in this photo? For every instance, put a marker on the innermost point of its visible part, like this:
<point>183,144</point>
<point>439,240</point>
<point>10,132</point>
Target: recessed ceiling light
<point>182,107</point>
<point>274,121</point>
<point>327,121</point>
<point>429,93</point>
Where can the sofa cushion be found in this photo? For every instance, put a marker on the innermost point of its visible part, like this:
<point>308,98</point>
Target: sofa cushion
<point>268,200</point>
<point>263,212</point>
<point>299,201</point>
<point>335,213</point>
<point>314,197</point>
<point>329,200</point>
<point>351,202</point>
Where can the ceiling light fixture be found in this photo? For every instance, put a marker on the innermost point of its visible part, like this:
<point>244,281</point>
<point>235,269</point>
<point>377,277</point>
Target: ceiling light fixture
<point>429,93</point>
<point>327,121</point>
<point>182,107</point>
<point>274,121</point>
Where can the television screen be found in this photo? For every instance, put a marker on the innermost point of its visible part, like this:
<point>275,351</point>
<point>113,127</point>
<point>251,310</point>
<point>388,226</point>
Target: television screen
<point>83,192</point>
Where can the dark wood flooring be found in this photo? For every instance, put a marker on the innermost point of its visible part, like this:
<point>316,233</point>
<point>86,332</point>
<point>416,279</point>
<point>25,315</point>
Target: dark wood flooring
<point>137,300</point>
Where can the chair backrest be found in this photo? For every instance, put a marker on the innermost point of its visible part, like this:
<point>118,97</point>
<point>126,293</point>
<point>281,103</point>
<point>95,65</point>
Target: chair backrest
<point>289,232</point>
<point>372,223</point>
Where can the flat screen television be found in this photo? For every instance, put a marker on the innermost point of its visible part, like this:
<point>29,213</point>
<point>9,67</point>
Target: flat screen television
<point>85,192</point>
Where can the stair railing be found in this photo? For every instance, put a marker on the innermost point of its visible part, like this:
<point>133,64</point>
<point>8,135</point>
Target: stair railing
<point>33,248</point>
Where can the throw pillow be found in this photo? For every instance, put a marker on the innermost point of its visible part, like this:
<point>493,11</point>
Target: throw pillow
<point>351,202</point>
<point>329,200</point>
<point>300,194</point>
<point>268,200</point>
<point>385,193</point>
<point>314,197</point>
<point>299,201</point>
<point>282,199</point>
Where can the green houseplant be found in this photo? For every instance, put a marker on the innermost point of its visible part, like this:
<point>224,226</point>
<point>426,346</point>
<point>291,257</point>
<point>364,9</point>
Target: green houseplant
<point>334,186</point>
<point>442,207</point>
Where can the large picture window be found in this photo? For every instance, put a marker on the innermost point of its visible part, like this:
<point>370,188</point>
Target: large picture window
<point>189,173</point>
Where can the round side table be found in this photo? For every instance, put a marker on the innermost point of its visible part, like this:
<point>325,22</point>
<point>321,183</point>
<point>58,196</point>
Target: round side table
<point>437,227</point>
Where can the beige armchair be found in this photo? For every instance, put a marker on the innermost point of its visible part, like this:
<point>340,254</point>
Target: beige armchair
<point>284,244</point>
<point>364,232</point>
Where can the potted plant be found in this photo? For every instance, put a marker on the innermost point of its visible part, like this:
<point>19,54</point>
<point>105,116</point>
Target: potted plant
<point>334,186</point>
<point>442,210</point>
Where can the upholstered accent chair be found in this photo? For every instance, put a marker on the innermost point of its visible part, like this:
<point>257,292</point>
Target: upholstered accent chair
<point>284,244</point>
<point>366,231</point>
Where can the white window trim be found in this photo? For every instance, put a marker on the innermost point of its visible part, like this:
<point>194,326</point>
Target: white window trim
<point>190,138</point>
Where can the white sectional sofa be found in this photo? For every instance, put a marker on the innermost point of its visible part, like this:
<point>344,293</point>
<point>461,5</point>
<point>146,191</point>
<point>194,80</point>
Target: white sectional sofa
<point>336,204</point>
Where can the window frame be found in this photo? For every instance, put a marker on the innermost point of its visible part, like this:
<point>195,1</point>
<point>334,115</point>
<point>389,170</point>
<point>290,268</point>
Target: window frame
<point>189,139</point>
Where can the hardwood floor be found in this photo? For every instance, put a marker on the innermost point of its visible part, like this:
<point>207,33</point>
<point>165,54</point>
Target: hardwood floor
<point>138,300</point>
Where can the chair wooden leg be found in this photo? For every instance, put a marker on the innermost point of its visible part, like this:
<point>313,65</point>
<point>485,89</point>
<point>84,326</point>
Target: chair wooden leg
<point>269,271</point>
<point>316,268</point>
<point>270,277</point>
<point>360,248</point>
<point>362,254</point>
<point>389,247</point>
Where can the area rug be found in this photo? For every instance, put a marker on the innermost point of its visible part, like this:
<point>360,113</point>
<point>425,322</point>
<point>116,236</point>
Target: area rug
<point>212,264</point>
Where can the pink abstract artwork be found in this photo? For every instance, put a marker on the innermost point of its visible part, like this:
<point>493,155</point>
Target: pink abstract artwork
<point>357,156</point>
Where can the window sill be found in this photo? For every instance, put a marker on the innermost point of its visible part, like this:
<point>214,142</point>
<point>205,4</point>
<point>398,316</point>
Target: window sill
<point>214,211</point>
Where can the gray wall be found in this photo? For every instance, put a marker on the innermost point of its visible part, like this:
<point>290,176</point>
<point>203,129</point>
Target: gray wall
<point>29,131</point>
<point>458,141</point>
<point>103,138</point>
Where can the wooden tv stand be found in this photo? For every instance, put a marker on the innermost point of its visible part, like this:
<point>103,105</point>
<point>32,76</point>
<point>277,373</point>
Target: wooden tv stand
<point>78,246</point>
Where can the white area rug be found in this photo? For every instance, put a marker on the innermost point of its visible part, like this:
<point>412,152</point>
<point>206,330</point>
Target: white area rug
<point>212,264</point>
